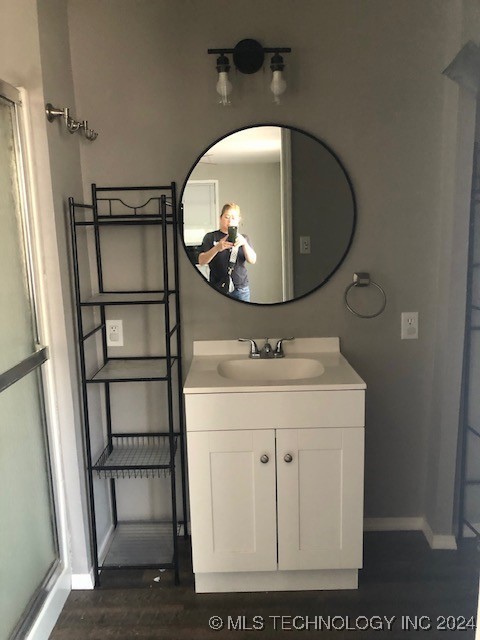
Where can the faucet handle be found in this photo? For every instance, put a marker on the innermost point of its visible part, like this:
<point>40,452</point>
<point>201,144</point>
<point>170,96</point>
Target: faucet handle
<point>279,348</point>
<point>254,352</point>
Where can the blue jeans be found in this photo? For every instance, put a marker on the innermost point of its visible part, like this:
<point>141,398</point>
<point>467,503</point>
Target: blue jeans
<point>242,293</point>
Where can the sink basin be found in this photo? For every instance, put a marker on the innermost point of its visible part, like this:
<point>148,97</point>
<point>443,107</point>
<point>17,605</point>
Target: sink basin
<point>271,369</point>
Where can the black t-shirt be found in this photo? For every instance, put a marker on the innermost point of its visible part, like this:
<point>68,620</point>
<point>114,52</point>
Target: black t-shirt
<point>219,264</point>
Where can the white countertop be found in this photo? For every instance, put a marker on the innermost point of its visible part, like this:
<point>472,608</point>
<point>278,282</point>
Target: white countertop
<point>203,375</point>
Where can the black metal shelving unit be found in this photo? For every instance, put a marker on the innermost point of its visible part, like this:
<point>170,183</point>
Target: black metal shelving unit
<point>143,454</point>
<point>469,502</point>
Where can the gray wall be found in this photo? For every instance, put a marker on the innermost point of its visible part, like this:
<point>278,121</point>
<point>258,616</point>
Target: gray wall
<point>365,77</point>
<point>66,180</point>
<point>41,65</point>
<point>323,210</point>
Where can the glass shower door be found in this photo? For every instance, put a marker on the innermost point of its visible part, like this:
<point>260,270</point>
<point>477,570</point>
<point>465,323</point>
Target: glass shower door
<point>28,538</point>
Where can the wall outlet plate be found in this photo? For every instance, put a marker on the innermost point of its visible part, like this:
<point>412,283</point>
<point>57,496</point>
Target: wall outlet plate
<point>114,333</point>
<point>304,244</point>
<point>409,322</point>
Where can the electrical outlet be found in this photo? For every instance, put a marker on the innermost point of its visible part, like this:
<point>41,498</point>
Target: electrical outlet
<point>409,323</point>
<point>114,333</point>
<point>304,244</point>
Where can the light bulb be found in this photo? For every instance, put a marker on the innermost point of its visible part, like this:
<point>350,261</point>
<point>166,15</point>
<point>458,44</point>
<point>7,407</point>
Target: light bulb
<point>278,85</point>
<point>224,87</point>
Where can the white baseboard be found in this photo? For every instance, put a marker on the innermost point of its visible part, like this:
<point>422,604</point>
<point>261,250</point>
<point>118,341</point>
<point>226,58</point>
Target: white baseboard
<point>436,541</point>
<point>51,609</point>
<point>103,547</point>
<point>439,541</point>
<point>86,581</point>
<point>83,581</point>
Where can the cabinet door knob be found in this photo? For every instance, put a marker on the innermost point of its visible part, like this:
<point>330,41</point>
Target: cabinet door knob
<point>288,457</point>
<point>264,458</point>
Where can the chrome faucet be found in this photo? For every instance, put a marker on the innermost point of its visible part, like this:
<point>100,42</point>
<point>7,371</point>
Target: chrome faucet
<point>267,350</point>
<point>279,348</point>
<point>254,352</point>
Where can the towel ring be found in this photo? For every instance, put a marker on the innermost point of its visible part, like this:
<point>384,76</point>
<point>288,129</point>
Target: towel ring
<point>363,280</point>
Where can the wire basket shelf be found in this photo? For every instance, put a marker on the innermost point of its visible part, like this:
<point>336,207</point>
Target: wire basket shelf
<point>144,455</point>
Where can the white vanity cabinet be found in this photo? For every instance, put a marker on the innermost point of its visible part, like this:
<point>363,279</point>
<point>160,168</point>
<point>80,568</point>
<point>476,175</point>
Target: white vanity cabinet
<point>241,480</point>
<point>276,486</point>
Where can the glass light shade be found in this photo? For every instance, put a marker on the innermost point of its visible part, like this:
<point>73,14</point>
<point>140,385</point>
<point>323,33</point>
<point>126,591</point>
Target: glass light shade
<point>224,87</point>
<point>278,86</point>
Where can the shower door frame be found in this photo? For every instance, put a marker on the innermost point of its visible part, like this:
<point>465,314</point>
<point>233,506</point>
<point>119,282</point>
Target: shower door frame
<point>48,599</point>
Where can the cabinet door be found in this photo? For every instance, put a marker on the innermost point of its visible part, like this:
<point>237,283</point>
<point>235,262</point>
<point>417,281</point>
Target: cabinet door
<point>320,498</point>
<point>232,500</point>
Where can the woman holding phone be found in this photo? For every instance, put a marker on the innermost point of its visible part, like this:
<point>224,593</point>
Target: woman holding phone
<point>218,251</point>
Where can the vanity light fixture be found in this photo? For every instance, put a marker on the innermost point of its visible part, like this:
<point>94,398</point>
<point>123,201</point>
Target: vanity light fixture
<point>248,58</point>
<point>224,86</point>
<point>278,84</point>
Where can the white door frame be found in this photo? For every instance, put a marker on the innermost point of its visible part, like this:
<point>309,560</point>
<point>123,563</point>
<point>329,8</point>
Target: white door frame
<point>286,214</point>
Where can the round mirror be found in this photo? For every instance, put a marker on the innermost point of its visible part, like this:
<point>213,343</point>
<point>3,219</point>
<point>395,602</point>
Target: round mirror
<point>268,214</point>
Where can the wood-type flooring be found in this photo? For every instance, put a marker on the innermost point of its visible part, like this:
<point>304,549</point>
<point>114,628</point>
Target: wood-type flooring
<point>404,584</point>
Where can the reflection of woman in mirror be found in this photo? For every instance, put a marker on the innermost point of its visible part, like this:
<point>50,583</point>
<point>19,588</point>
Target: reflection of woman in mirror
<point>216,249</point>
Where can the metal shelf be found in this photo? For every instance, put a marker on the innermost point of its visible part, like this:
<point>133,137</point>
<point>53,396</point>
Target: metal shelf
<point>133,370</point>
<point>102,326</point>
<point>115,211</point>
<point>131,455</point>
<point>107,221</point>
<point>139,455</point>
<point>141,545</point>
<point>473,430</point>
<point>126,297</point>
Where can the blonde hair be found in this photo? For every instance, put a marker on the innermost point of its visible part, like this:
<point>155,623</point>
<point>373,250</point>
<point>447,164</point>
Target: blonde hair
<point>230,205</point>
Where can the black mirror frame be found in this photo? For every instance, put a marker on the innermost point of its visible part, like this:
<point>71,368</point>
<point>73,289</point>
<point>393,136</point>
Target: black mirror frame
<point>347,177</point>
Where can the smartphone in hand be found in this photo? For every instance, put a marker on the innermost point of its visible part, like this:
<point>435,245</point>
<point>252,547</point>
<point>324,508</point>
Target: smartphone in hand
<point>232,234</point>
